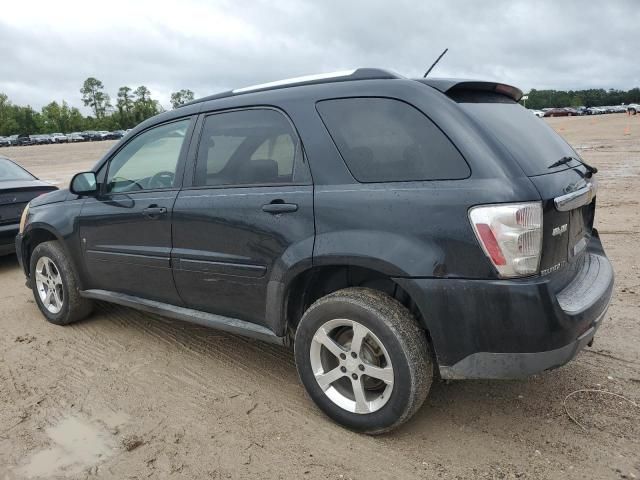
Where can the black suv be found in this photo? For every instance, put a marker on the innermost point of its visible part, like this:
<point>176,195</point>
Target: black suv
<point>24,140</point>
<point>386,228</point>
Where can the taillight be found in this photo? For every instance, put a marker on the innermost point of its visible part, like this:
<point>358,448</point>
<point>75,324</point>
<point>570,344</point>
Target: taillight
<point>510,235</point>
<point>23,218</point>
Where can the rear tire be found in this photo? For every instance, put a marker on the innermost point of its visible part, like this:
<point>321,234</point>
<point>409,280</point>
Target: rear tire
<point>380,382</point>
<point>55,285</point>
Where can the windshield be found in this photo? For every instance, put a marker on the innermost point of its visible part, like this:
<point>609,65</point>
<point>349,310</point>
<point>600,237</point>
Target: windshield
<point>10,171</point>
<point>537,148</point>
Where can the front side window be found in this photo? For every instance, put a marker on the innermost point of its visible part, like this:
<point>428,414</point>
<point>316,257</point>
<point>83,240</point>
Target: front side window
<point>248,147</point>
<point>149,161</point>
<point>387,140</point>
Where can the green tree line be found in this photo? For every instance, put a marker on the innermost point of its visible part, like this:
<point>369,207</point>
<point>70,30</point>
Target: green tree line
<point>131,107</point>
<point>595,97</point>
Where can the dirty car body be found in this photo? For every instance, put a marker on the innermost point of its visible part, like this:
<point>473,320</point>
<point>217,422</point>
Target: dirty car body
<point>491,248</point>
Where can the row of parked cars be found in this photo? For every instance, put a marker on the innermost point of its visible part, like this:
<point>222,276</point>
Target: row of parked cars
<point>570,112</point>
<point>43,139</point>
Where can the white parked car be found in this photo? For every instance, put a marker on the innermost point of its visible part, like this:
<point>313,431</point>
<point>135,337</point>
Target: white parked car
<point>59,138</point>
<point>537,113</point>
<point>633,108</point>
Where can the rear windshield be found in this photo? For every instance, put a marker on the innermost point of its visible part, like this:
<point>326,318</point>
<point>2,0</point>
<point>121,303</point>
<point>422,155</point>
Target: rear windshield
<point>387,140</point>
<point>533,143</point>
<point>10,171</point>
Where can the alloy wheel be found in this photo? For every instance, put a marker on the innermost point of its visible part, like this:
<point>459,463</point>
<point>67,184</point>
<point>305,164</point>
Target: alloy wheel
<point>49,285</point>
<point>351,366</point>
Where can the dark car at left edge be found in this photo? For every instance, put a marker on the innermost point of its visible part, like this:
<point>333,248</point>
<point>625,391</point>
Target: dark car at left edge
<point>17,188</point>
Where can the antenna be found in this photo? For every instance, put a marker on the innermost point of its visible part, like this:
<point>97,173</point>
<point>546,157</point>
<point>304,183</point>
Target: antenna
<point>436,62</point>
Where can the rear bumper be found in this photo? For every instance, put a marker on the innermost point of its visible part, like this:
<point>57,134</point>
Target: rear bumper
<point>515,328</point>
<point>7,238</point>
<point>518,365</point>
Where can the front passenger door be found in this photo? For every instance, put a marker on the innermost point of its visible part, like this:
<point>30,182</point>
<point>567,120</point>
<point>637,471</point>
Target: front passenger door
<point>126,230</point>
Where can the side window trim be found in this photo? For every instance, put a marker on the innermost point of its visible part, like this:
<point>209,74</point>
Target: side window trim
<point>180,165</point>
<point>300,161</point>
<point>188,176</point>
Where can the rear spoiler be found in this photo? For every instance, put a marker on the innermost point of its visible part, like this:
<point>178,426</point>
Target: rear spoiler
<point>447,85</point>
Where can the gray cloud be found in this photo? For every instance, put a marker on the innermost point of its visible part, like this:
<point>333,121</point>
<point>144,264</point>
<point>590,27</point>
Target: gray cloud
<point>209,47</point>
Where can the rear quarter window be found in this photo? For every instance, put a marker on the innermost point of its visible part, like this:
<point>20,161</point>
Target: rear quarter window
<point>387,140</point>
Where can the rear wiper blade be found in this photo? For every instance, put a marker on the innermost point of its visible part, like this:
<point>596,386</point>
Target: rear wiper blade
<point>562,161</point>
<point>567,159</point>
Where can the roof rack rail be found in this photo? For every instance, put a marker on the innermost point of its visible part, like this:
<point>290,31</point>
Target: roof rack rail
<point>344,75</point>
<point>341,76</point>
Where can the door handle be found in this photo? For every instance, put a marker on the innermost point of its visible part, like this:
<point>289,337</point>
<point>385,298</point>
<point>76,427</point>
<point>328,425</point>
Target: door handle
<point>154,211</point>
<point>278,206</point>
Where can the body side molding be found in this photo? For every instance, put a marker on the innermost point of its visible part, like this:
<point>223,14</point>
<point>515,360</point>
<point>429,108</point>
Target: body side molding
<point>231,325</point>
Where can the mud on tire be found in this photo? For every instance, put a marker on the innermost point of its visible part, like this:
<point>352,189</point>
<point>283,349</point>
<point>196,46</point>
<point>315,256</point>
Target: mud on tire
<point>72,307</point>
<point>387,322</point>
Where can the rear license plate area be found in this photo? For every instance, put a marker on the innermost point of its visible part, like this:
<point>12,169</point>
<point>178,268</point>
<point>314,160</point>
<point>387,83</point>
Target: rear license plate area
<point>579,231</point>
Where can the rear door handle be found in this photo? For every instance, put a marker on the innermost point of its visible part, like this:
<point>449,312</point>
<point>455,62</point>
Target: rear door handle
<point>153,211</point>
<point>275,208</point>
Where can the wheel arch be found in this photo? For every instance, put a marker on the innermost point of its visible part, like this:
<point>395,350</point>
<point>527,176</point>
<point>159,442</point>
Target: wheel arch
<point>36,234</point>
<point>318,281</point>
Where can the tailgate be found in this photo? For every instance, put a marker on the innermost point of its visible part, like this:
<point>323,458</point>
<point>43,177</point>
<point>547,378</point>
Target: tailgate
<point>568,211</point>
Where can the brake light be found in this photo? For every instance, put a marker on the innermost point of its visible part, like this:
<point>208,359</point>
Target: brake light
<point>488,239</point>
<point>510,235</point>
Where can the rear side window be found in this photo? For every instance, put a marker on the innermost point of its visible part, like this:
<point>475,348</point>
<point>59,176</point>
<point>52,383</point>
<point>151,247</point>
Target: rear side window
<point>248,147</point>
<point>534,144</point>
<point>386,140</point>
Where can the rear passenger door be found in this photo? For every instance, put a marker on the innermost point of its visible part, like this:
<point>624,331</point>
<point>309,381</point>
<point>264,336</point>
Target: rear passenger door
<point>247,214</point>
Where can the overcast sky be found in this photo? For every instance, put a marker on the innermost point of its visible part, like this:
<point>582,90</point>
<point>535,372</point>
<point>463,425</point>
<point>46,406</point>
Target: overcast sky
<point>48,48</point>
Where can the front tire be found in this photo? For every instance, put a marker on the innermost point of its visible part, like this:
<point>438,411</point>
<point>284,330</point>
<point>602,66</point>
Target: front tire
<point>55,285</point>
<point>363,359</point>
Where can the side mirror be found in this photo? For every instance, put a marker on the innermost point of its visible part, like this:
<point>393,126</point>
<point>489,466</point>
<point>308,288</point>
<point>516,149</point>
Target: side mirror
<point>84,183</point>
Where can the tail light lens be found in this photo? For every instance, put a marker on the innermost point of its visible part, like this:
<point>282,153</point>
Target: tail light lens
<point>510,235</point>
<point>23,218</point>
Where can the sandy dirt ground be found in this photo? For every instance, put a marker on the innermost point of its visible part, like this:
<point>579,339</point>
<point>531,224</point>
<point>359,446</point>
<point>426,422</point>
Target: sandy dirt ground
<point>127,395</point>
